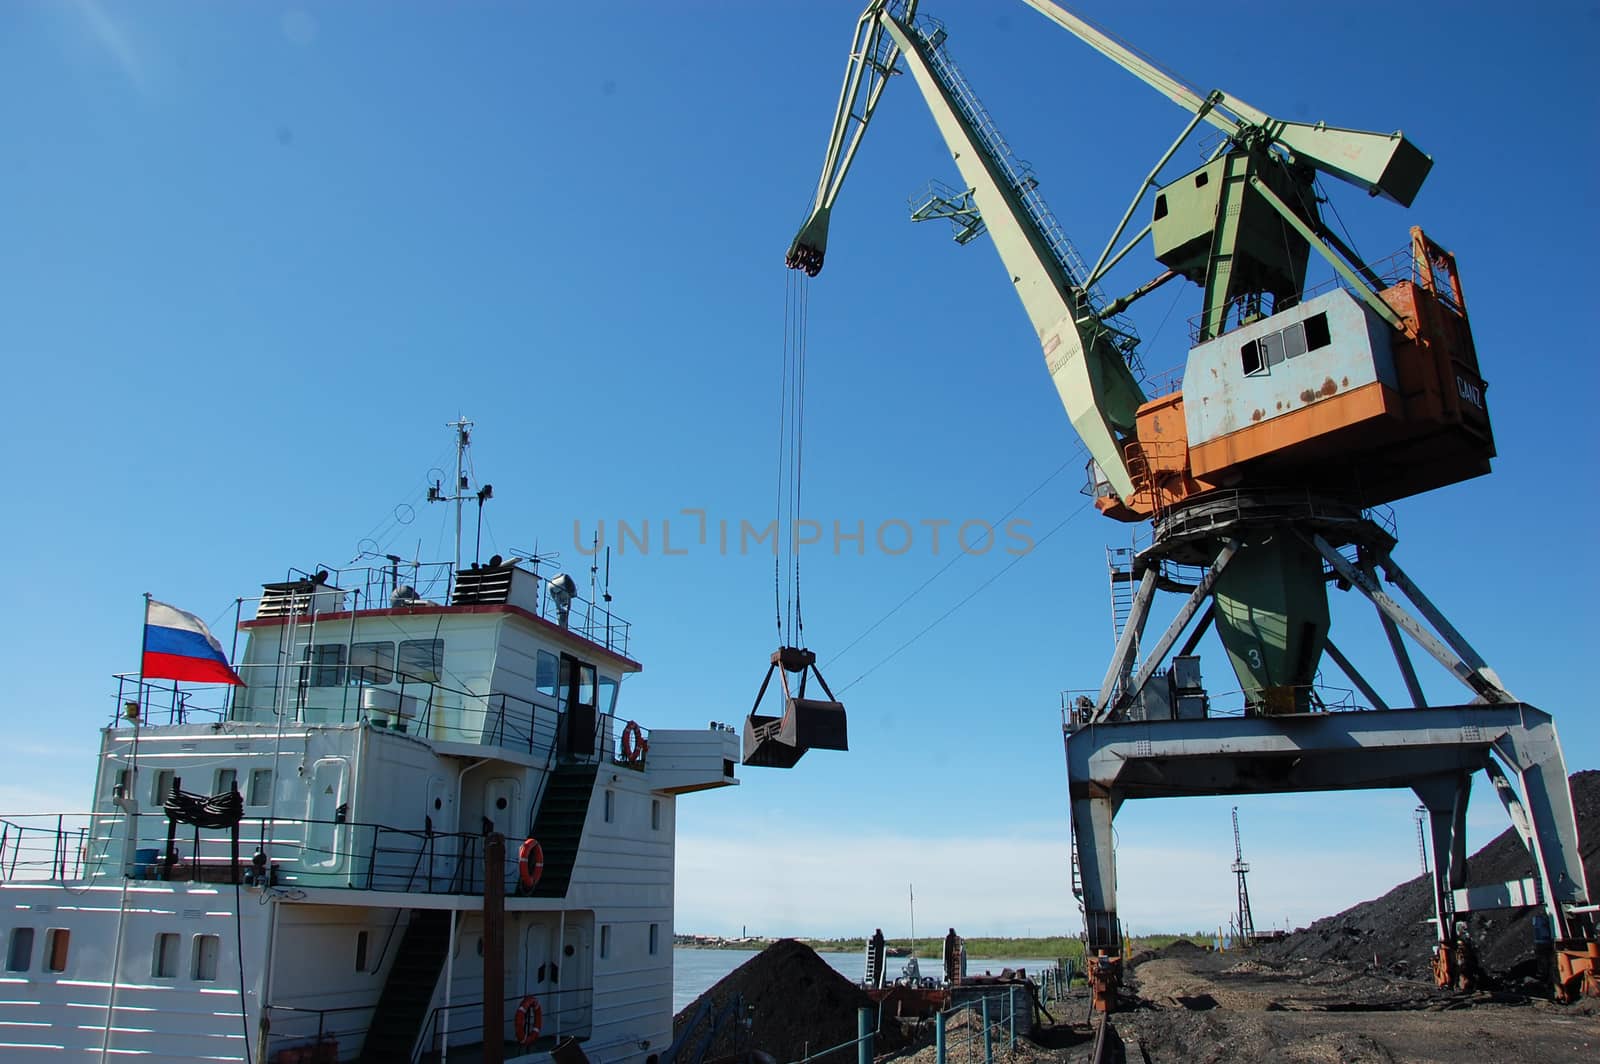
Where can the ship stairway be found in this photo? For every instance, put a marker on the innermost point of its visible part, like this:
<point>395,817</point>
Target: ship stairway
<point>1019,175</point>
<point>413,976</point>
<point>563,810</point>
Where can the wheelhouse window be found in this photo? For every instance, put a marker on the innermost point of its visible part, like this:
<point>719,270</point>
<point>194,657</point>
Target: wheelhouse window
<point>578,686</point>
<point>225,781</point>
<point>161,786</point>
<point>421,660</point>
<point>324,665</point>
<point>546,674</point>
<point>608,695</point>
<point>371,663</point>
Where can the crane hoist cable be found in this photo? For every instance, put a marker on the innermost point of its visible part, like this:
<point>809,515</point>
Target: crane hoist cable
<point>804,723</point>
<point>790,464</point>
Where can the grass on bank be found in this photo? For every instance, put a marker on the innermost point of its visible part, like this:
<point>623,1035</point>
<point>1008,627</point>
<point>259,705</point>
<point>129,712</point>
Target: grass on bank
<point>978,948</point>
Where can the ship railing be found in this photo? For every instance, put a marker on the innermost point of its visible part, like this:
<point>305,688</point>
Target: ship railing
<point>1077,704</point>
<point>434,582</point>
<point>46,847</point>
<point>566,1012</point>
<point>424,708</point>
<point>314,1031</point>
<point>155,699</point>
<point>297,852</point>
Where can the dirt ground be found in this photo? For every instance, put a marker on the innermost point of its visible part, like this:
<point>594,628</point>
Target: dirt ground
<point>1226,1008</point>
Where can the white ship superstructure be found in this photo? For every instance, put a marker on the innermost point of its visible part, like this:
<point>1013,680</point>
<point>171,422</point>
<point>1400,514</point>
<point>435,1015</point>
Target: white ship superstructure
<point>381,741</point>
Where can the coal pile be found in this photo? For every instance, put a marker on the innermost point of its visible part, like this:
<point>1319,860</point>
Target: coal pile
<point>795,1001</point>
<point>1396,929</point>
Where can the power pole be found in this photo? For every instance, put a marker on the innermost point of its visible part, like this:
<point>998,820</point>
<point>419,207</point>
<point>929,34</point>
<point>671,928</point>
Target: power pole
<point>1247,927</point>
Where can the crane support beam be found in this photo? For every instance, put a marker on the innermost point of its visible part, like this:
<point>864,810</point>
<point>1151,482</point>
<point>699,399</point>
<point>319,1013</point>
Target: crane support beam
<point>1191,606</point>
<point>1128,642</point>
<point>1433,751</point>
<point>1367,295</point>
<point>1480,678</point>
<point>1095,385</point>
<point>1381,164</point>
<point>1354,675</point>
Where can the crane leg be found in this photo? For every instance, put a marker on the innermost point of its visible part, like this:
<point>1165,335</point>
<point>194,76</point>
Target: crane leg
<point>1091,825</point>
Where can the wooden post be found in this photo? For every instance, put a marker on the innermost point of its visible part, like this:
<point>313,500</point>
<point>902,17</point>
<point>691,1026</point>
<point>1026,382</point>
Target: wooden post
<point>494,949</point>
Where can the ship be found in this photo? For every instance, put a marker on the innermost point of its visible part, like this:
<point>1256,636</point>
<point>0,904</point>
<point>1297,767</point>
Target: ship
<point>424,828</point>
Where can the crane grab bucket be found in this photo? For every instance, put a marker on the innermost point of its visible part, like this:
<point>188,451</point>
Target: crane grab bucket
<point>806,723</point>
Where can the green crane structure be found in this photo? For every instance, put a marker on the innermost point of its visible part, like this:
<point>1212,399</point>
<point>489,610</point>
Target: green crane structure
<point>1299,412</point>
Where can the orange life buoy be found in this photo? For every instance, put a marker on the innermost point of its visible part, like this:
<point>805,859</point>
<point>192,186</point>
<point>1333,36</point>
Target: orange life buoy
<point>634,744</point>
<point>530,864</point>
<point>529,1020</point>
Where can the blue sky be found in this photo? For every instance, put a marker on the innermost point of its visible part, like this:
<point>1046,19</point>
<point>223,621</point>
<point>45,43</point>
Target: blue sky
<point>256,256</point>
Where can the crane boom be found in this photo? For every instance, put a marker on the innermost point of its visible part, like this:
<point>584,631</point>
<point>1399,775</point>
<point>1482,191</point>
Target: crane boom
<point>1086,354</point>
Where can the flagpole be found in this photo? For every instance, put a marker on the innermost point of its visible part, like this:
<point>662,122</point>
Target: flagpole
<point>138,694</point>
<point>130,808</point>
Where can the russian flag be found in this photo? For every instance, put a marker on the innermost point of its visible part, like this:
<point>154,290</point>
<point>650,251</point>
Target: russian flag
<point>178,646</point>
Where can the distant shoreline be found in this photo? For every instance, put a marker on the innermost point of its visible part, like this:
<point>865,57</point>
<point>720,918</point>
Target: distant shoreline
<point>978,948</point>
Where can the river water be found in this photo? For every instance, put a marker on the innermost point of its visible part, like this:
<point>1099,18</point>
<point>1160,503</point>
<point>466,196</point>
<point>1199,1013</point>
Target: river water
<point>694,971</point>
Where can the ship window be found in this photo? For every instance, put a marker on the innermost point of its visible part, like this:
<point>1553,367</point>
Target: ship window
<point>371,663</point>
<point>164,958</point>
<point>260,787</point>
<point>1317,331</point>
<point>655,936</point>
<point>655,814</point>
<point>611,805</point>
<point>608,695</point>
<point>605,941</point>
<point>161,787</point>
<point>204,967</point>
<point>1272,349</point>
<point>361,952</point>
<point>226,782</point>
<point>122,781</point>
<point>56,941</point>
<point>1294,341</point>
<point>421,659</point>
<point>546,672</point>
<point>1202,179</point>
<point>1161,208</point>
<point>326,665</point>
<point>19,953</point>
<point>1250,358</point>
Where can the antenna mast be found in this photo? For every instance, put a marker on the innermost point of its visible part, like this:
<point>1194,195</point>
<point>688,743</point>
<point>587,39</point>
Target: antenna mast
<point>1247,927</point>
<point>458,493</point>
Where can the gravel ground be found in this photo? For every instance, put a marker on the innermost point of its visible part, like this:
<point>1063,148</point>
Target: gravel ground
<point>1192,1005</point>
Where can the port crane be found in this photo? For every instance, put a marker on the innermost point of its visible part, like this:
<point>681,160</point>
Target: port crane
<point>1301,409</point>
